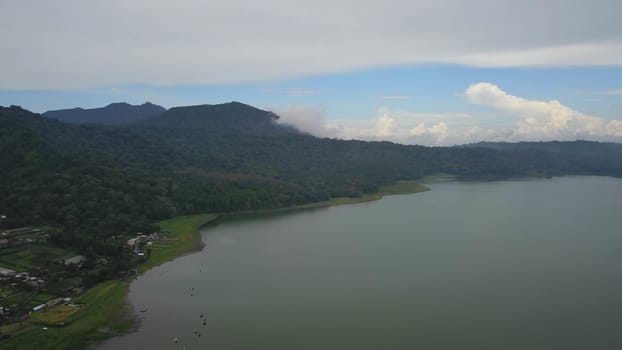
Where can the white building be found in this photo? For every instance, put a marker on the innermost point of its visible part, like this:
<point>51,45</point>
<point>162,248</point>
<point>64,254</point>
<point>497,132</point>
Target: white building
<point>6,273</point>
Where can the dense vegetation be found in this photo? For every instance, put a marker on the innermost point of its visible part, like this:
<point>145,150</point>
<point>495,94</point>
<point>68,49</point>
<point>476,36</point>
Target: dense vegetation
<point>97,181</point>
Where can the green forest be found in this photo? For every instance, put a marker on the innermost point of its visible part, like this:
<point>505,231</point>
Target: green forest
<point>92,182</point>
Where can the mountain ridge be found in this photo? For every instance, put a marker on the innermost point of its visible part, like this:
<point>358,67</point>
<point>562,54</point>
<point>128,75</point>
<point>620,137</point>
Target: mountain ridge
<point>99,179</point>
<point>117,113</point>
<point>230,116</point>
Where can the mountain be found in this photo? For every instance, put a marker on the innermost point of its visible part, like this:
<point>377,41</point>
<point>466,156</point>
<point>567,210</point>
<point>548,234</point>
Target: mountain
<point>602,157</point>
<point>97,180</point>
<point>114,114</point>
<point>229,117</point>
<point>567,147</point>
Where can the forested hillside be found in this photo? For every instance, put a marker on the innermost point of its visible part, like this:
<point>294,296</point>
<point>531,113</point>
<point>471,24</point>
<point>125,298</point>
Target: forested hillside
<point>93,180</point>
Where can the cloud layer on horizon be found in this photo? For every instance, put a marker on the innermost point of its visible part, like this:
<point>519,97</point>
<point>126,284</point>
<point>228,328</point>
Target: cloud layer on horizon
<point>68,44</point>
<point>544,120</point>
<point>512,119</point>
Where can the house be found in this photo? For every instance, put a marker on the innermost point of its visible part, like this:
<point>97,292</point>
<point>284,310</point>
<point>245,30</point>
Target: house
<point>20,231</point>
<point>24,276</point>
<point>54,302</point>
<point>136,240</point>
<point>75,260</point>
<point>132,241</point>
<point>6,273</point>
<point>34,281</point>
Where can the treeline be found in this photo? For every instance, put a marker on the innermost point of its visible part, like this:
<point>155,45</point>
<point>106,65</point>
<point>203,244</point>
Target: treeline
<point>98,181</point>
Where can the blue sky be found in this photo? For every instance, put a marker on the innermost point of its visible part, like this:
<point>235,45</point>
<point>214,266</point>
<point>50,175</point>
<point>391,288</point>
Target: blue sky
<point>432,72</point>
<point>358,94</point>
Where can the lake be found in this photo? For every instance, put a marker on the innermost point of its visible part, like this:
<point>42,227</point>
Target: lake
<point>521,264</point>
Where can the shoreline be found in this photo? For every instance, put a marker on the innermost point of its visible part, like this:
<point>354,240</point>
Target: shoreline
<point>198,221</point>
<point>107,312</point>
<point>188,226</point>
<point>398,188</point>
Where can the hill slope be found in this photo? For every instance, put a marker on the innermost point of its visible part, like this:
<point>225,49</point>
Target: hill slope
<point>95,181</point>
<point>226,117</point>
<point>113,114</point>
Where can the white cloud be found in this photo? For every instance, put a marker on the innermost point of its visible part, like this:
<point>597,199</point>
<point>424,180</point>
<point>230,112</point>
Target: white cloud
<point>550,56</point>
<point>513,119</point>
<point>385,126</point>
<point>612,92</point>
<point>543,120</point>
<point>311,120</point>
<point>392,125</point>
<point>75,44</point>
<point>301,92</point>
<point>438,130</point>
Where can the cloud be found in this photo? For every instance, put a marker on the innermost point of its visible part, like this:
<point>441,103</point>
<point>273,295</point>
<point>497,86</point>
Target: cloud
<point>439,131</point>
<point>550,56</point>
<point>391,125</point>
<point>301,92</point>
<point>543,120</point>
<point>612,92</point>
<point>66,44</point>
<point>512,119</point>
<point>311,120</point>
<point>385,126</point>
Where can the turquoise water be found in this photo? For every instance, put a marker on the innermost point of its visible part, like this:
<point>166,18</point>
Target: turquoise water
<point>533,264</point>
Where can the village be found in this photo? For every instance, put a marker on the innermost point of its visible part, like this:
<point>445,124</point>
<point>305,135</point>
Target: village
<point>41,281</point>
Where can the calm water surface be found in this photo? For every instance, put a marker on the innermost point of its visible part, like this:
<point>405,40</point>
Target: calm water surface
<point>499,265</point>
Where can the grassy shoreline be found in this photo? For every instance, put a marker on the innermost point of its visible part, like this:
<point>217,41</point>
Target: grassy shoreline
<point>182,239</point>
<point>397,188</point>
<point>184,229</point>
<point>106,311</point>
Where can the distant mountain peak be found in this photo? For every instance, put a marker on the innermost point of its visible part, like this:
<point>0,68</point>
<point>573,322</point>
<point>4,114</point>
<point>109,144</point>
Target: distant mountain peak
<point>120,104</point>
<point>224,116</point>
<point>117,113</point>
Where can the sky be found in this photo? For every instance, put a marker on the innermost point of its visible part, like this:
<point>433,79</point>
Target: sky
<point>440,72</point>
